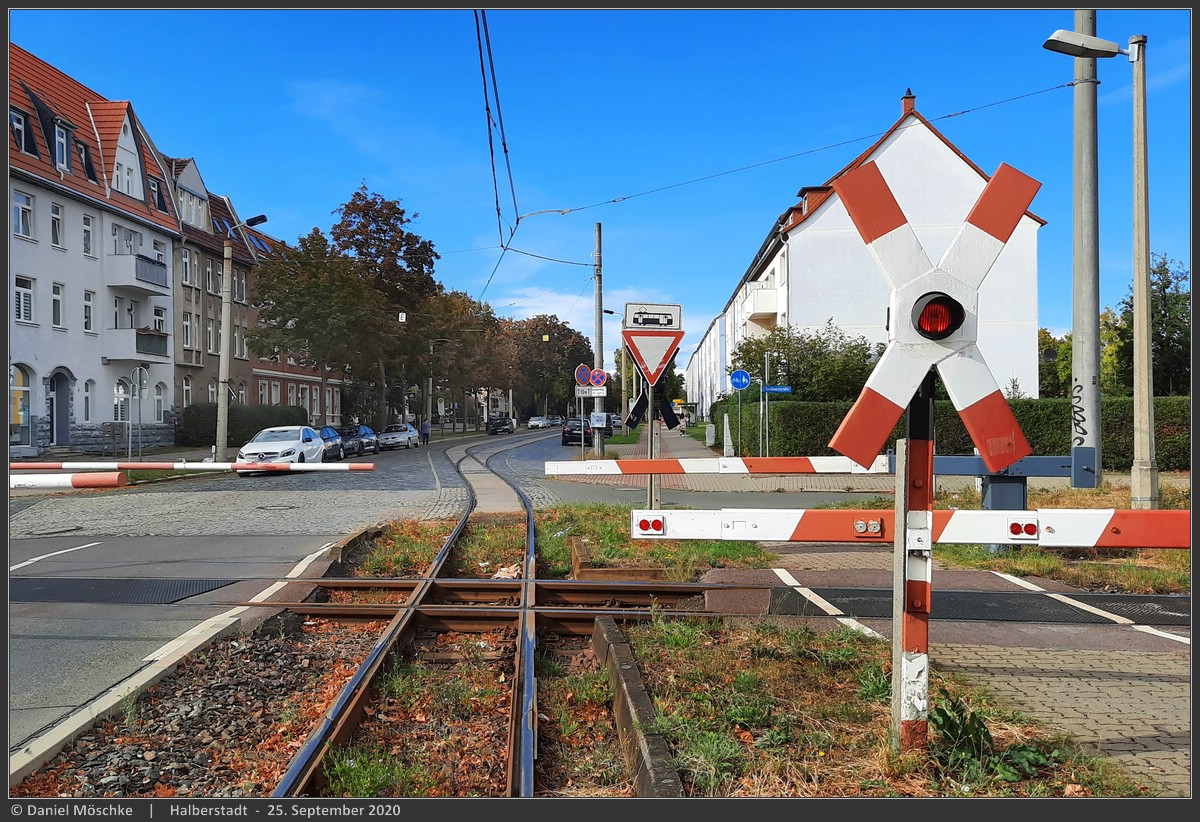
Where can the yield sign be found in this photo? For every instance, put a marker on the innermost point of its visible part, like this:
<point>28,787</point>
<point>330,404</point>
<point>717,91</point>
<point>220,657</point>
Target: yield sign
<point>652,350</point>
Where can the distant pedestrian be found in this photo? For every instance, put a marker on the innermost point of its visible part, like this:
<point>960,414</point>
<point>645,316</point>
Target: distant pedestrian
<point>425,432</point>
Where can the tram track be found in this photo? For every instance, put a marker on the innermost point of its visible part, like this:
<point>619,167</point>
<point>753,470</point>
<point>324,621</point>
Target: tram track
<point>429,621</point>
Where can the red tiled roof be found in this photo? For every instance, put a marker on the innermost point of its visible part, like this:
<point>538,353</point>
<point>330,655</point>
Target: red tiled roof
<point>42,91</point>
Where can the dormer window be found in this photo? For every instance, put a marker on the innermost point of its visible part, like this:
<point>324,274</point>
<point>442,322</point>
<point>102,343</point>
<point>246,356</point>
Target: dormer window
<point>19,123</point>
<point>60,147</point>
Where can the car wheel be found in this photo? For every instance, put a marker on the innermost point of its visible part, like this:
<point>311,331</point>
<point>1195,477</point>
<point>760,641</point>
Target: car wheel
<point>341,453</point>
<point>301,460</point>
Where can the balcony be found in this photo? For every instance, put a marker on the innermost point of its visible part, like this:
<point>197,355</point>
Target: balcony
<point>135,344</point>
<point>760,303</point>
<point>135,272</point>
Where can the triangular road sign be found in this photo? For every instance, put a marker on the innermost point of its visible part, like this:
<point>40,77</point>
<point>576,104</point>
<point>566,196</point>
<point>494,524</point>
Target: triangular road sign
<point>652,350</point>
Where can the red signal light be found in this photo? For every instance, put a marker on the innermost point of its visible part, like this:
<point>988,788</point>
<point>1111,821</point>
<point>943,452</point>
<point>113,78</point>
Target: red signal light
<point>936,315</point>
<point>650,526</point>
<point>1019,528</point>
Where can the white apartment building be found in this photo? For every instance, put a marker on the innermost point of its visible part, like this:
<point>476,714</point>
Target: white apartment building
<point>813,266</point>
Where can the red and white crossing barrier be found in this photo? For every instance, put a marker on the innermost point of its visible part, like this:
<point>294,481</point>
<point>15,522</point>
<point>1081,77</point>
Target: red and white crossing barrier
<point>87,480</point>
<point>1046,527</point>
<point>191,466</point>
<point>719,465</point>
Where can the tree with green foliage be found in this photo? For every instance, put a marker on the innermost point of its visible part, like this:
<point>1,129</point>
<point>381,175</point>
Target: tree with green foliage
<point>1170,331</point>
<point>820,366</point>
<point>308,306</point>
<point>549,350</point>
<point>397,266</point>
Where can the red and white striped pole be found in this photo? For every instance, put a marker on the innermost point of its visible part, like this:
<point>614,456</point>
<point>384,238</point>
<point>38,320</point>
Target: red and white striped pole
<point>94,479</point>
<point>912,574</point>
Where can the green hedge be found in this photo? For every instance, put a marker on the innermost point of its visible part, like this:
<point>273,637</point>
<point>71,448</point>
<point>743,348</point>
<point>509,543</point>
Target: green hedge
<point>198,423</point>
<point>805,428</point>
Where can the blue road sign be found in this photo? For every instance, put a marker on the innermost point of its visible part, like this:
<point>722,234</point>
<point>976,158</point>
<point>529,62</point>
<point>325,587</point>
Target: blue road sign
<point>739,379</point>
<point>777,389</point>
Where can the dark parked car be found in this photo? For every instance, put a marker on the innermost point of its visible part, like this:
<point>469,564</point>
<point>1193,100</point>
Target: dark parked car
<point>359,440</point>
<point>334,450</point>
<point>575,428</point>
<point>501,425</point>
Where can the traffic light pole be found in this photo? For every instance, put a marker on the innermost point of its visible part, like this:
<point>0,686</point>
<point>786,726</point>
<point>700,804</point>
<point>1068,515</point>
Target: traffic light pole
<point>912,567</point>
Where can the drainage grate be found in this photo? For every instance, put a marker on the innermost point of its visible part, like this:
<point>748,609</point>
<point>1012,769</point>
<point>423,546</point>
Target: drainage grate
<point>124,591</point>
<point>993,606</point>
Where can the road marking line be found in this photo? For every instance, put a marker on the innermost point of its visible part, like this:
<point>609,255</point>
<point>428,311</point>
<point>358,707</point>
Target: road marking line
<point>53,554</point>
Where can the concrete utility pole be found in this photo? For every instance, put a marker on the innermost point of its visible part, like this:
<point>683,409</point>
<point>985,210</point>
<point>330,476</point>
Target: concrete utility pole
<point>1085,337</point>
<point>598,356</point>
<point>1144,474</point>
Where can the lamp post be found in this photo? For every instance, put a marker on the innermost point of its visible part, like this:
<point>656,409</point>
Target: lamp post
<point>1085,326</point>
<point>1144,475</point>
<point>227,339</point>
<point>429,383</point>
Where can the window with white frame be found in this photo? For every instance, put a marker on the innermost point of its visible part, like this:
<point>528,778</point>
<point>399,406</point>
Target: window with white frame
<point>187,329</point>
<point>291,394</point>
<point>160,395</point>
<point>22,214</point>
<point>129,179</point>
<point>89,389</point>
<point>304,398</point>
<point>262,392</point>
<point>56,304</point>
<point>118,176</point>
<point>87,234</point>
<point>160,251</point>
<point>212,390</point>
<point>160,318</point>
<point>240,342</point>
<point>208,277</point>
<point>21,131</point>
<point>23,299</point>
<point>56,225</point>
<point>187,391</point>
<point>241,393</point>
<point>185,260</point>
<point>89,300</point>
<point>121,401</point>
<point>274,392</point>
<point>60,146</point>
<point>210,337</point>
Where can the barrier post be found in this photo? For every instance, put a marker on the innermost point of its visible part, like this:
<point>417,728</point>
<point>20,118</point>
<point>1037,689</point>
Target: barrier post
<point>912,566</point>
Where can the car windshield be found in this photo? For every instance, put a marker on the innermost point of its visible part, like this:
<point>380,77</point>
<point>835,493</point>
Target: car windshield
<point>276,435</point>
<point>395,428</point>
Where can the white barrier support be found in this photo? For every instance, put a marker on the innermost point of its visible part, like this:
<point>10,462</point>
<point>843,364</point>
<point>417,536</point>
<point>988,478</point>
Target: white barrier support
<point>87,480</point>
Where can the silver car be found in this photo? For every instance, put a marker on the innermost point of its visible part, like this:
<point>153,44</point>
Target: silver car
<point>399,434</point>
<point>283,443</point>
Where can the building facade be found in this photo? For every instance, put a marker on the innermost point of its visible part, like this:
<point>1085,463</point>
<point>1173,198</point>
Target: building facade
<point>813,266</point>
<point>116,276</point>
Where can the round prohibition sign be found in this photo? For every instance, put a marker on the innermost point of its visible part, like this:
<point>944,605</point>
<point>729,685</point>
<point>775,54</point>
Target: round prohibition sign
<point>583,374</point>
<point>598,377</point>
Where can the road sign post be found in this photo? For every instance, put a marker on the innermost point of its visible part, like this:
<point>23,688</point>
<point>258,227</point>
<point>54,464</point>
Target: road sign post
<point>739,379</point>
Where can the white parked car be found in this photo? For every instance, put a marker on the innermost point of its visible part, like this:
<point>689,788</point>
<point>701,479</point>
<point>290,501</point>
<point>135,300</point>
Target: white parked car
<point>399,434</point>
<point>283,443</point>
<point>538,422</point>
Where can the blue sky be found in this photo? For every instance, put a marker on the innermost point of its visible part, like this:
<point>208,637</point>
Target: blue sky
<point>683,133</point>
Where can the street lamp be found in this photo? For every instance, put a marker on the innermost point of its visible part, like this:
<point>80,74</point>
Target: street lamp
<point>1144,475</point>
<point>429,382</point>
<point>227,339</point>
